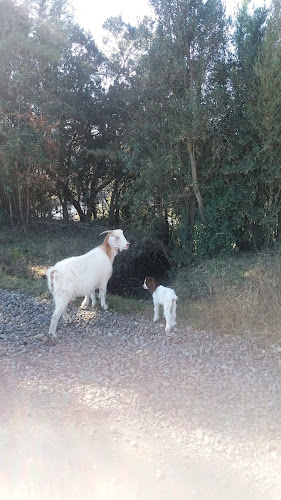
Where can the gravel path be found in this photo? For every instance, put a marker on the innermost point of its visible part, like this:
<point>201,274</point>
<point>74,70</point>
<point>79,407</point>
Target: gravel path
<point>118,410</point>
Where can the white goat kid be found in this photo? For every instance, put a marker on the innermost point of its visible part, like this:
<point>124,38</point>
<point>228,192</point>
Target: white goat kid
<point>165,297</point>
<point>82,275</point>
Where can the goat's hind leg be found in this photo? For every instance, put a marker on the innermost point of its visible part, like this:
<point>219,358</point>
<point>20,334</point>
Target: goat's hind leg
<point>58,312</point>
<point>66,317</point>
<point>156,312</point>
<point>168,316</point>
<point>174,313</point>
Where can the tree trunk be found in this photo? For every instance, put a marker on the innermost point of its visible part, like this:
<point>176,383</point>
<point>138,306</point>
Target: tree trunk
<point>191,212</point>
<point>27,203</point>
<point>79,210</point>
<point>166,228</point>
<point>196,189</point>
<point>64,209</point>
<point>20,201</point>
<point>113,203</point>
<point>10,209</point>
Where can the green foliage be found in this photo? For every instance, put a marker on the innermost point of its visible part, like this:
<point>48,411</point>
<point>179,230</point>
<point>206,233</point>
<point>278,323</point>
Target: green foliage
<point>176,130</point>
<point>224,217</point>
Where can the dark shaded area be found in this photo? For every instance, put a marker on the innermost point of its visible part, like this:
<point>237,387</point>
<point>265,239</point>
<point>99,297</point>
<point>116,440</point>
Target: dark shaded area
<point>128,277</point>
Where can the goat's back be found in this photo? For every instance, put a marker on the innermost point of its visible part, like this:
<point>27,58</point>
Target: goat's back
<point>78,276</point>
<point>164,294</point>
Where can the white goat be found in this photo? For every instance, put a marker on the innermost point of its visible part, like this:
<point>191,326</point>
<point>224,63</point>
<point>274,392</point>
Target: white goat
<point>82,275</point>
<point>162,296</point>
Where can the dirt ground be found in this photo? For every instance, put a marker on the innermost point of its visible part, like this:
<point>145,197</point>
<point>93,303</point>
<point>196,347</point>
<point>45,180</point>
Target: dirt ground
<point>116,409</point>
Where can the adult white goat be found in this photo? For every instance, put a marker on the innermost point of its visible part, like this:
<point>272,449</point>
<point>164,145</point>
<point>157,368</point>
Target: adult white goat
<point>82,275</point>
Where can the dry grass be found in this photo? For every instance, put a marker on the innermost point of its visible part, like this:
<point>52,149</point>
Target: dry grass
<point>248,305</point>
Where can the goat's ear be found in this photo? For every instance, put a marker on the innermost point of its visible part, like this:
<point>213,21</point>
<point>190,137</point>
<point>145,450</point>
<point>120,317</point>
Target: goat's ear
<point>112,241</point>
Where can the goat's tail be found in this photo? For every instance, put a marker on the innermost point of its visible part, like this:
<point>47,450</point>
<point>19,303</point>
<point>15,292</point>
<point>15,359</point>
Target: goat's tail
<point>51,278</point>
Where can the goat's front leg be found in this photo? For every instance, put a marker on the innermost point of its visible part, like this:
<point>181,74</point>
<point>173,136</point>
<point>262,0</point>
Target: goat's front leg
<point>102,295</point>
<point>93,298</point>
<point>67,317</point>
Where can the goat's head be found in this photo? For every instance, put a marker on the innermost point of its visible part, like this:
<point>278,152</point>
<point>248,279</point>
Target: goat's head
<point>116,239</point>
<point>150,284</point>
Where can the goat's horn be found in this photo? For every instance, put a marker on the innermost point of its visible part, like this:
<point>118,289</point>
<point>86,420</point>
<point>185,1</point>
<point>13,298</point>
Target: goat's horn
<point>107,231</point>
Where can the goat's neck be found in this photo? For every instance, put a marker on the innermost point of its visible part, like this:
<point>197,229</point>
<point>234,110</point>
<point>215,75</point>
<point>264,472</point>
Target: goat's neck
<point>110,251</point>
<point>114,252</point>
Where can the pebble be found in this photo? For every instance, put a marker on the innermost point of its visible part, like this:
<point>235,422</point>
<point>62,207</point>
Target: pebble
<point>134,444</point>
<point>160,474</point>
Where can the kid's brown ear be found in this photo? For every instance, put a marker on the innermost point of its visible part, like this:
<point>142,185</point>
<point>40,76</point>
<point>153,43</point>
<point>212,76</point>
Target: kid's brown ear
<point>150,282</point>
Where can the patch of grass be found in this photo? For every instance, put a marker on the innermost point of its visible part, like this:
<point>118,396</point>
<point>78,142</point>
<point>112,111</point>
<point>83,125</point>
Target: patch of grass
<point>35,287</point>
<point>202,280</point>
<point>238,295</point>
<point>129,306</point>
<point>27,256</point>
<point>122,305</point>
<point>24,258</point>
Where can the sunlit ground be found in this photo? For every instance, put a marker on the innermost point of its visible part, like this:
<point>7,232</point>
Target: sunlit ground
<point>58,447</point>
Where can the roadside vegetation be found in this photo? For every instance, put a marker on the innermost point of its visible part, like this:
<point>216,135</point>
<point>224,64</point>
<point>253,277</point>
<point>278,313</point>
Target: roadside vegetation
<point>239,294</point>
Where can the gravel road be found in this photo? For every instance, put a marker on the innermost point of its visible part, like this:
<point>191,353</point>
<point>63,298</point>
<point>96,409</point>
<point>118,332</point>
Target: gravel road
<point>118,410</point>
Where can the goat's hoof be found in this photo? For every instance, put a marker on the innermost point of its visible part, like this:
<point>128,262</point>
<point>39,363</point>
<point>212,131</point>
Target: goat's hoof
<point>51,338</point>
<point>105,308</point>
<point>42,336</point>
<point>52,335</point>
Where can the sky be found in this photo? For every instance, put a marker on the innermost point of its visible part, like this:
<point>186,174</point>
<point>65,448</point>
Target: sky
<point>91,14</point>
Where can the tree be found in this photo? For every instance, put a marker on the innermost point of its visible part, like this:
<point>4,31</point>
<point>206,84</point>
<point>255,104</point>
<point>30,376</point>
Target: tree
<point>50,86</point>
<point>25,130</point>
<point>266,122</point>
<point>176,99</point>
<point>241,167</point>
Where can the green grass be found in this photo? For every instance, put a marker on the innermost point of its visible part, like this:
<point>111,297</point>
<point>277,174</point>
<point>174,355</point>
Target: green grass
<point>129,306</point>
<point>30,286</point>
<point>237,295</point>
